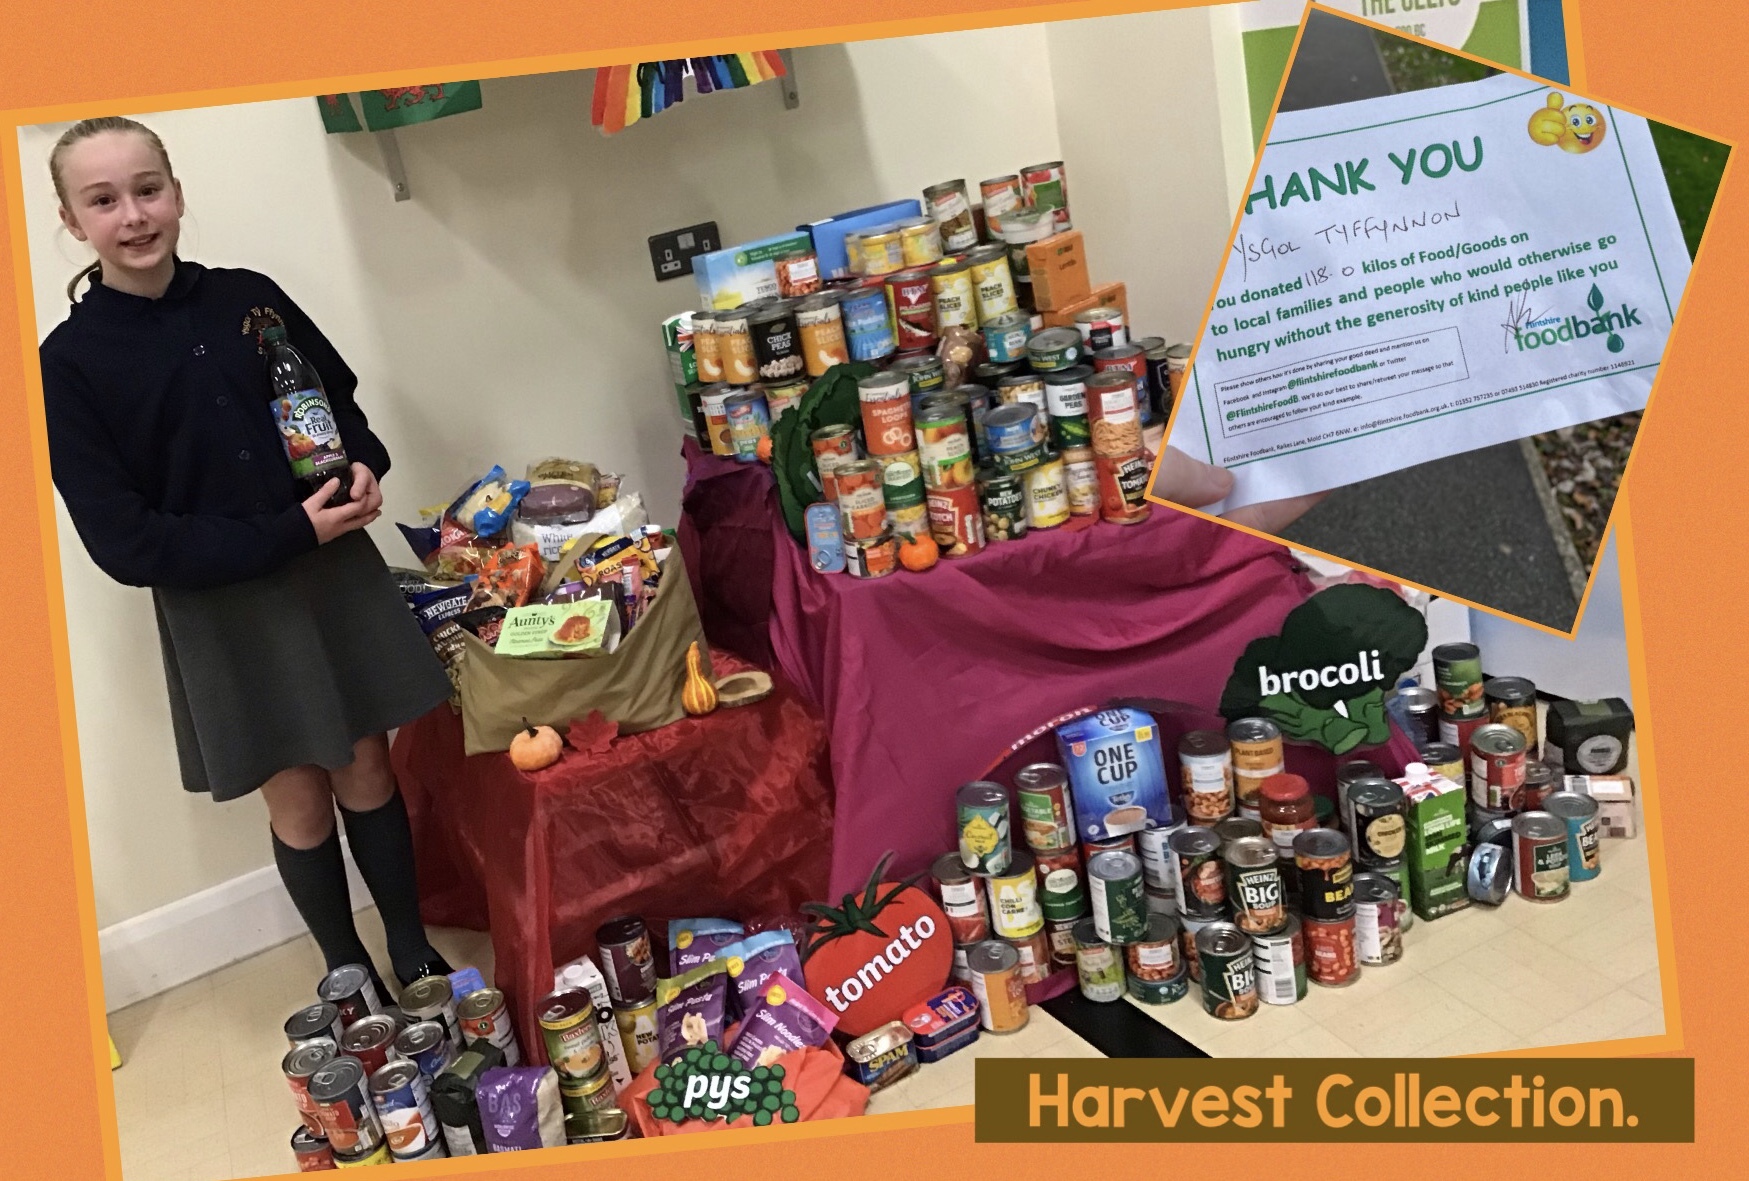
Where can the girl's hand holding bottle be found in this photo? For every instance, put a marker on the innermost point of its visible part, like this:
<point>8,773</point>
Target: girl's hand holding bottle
<point>365,506</point>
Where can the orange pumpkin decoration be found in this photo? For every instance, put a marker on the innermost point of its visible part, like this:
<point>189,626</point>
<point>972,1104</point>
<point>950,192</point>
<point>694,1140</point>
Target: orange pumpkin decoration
<point>764,449</point>
<point>919,553</point>
<point>535,747</point>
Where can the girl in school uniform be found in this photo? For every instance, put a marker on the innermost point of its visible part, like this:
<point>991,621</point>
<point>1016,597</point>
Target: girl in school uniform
<point>288,652</point>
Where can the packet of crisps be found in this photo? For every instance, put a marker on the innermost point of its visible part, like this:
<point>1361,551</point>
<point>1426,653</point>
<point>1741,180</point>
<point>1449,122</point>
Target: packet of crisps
<point>691,1009</point>
<point>785,1018</point>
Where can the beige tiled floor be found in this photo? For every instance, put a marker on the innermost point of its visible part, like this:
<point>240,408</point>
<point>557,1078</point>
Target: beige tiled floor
<point>1523,976</point>
<point>206,1055</point>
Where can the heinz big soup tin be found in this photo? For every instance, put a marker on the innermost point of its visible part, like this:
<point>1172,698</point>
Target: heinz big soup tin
<point>1115,772</point>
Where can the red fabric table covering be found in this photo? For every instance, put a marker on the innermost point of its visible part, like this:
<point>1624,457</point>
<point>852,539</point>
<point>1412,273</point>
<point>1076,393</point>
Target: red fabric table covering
<point>926,681</point>
<point>728,815</point>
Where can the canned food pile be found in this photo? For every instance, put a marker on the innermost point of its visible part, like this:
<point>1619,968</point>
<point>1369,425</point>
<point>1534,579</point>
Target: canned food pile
<point>1002,404</point>
<point>1250,885</point>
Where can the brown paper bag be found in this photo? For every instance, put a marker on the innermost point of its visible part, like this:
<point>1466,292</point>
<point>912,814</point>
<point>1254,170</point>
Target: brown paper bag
<point>637,685</point>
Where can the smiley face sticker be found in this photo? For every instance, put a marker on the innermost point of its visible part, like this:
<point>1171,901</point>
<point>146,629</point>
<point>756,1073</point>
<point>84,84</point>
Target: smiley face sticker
<point>1576,127</point>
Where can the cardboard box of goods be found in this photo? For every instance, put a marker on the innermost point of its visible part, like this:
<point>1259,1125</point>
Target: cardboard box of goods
<point>1059,270</point>
<point>828,234</point>
<point>1438,830</point>
<point>1588,737</point>
<point>1105,295</point>
<point>1615,802</point>
<point>742,274</point>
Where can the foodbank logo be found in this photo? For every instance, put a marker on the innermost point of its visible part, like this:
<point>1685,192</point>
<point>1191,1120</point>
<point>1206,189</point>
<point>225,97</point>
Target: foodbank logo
<point>1324,678</point>
<point>706,1084</point>
<point>1607,324</point>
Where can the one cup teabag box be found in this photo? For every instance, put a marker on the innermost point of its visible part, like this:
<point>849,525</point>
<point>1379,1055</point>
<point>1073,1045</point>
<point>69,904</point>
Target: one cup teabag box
<point>1436,861</point>
<point>1116,772</point>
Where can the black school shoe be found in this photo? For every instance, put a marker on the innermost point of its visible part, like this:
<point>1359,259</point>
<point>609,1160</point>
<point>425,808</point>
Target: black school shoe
<point>435,966</point>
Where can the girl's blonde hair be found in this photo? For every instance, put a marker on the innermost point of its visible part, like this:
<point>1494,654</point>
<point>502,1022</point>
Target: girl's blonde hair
<point>85,129</point>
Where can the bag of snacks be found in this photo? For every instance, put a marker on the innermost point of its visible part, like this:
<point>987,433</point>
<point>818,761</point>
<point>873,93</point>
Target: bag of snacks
<point>486,507</point>
<point>509,577</point>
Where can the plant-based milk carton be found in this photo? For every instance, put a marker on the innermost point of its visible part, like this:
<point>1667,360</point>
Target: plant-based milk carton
<point>1434,859</point>
<point>1116,773</point>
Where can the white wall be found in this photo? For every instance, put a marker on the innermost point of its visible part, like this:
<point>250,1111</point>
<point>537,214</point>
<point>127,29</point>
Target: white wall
<point>509,311</point>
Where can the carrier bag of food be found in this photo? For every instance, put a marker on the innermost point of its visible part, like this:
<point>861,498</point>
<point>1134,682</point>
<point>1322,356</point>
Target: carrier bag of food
<point>691,1009</point>
<point>519,1109</point>
<point>637,686</point>
<point>785,1018</point>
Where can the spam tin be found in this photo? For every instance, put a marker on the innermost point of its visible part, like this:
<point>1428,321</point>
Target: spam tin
<point>825,538</point>
<point>946,1022</point>
<point>882,1056</point>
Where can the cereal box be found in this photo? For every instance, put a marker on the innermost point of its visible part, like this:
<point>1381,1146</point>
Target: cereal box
<point>1116,772</point>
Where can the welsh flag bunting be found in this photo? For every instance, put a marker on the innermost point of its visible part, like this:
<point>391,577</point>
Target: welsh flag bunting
<point>398,106</point>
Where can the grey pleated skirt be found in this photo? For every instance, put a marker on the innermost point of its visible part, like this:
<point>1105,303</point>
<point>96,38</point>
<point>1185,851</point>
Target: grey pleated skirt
<point>293,668</point>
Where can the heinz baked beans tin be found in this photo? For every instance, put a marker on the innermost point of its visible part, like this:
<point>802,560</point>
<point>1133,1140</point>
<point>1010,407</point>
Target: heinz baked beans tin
<point>350,990</point>
<point>1014,907</point>
<point>1281,964</point>
<point>984,830</point>
<point>962,900</point>
<point>1254,886</point>
<point>1326,873</point>
<point>1098,965</point>
<point>311,1151</point>
<point>1539,857</point>
<point>996,982</point>
<point>299,1064</point>
<point>1378,907</point>
<point>1047,810</point>
<point>1120,905</point>
<point>1331,959</point>
<point>341,1094</point>
<point>1457,671</point>
<point>485,1017</point>
<point>1497,760</point>
<point>1229,971</point>
<point>1584,835</point>
<point>872,557</point>
<point>1196,867</point>
<point>312,1023</point>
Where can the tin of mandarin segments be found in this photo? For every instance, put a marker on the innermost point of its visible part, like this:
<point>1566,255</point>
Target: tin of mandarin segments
<point>956,521</point>
<point>1151,847</point>
<point>1120,905</point>
<point>485,1017</point>
<point>996,982</point>
<point>403,1104</point>
<point>1123,487</point>
<point>1257,754</point>
<point>885,400</point>
<point>572,1035</point>
<point>1254,885</point>
<point>944,444</point>
<point>317,1022</point>
<point>1229,971</point>
<point>1331,960</point>
<point>1457,672</point>
<point>341,1094</point>
<point>1497,761</point>
<point>1098,965</point>
<point>299,1064</point>
<point>311,1151</point>
<point>1196,867</point>
<point>984,830</point>
<point>1281,964</point>
<point>1512,702</point>
<point>1539,858</point>
<point>862,505</point>
<point>1326,873</point>
<point>1047,811</point>
<point>1014,906</point>
<point>349,989</point>
<point>371,1041</point>
<point>427,1045</point>
<point>1584,833</point>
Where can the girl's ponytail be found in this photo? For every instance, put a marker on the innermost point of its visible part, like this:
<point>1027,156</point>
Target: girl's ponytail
<point>84,129</point>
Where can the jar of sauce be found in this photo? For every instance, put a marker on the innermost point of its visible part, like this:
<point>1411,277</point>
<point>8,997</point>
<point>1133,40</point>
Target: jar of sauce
<point>1286,809</point>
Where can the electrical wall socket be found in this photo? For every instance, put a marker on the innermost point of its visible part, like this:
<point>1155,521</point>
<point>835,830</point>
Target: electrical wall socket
<point>672,253</point>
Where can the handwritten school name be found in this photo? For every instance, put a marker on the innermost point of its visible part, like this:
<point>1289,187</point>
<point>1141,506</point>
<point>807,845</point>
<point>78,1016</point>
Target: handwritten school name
<point>1347,178</point>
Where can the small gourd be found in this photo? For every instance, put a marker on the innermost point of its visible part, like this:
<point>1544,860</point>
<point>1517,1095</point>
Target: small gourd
<point>535,747</point>
<point>698,696</point>
<point>919,553</point>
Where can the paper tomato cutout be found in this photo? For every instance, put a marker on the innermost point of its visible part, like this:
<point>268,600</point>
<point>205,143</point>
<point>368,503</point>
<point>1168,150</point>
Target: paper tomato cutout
<point>870,959</point>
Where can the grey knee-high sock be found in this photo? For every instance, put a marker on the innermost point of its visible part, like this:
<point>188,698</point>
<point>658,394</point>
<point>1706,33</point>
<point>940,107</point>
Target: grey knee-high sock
<point>382,847</point>
<point>316,880</point>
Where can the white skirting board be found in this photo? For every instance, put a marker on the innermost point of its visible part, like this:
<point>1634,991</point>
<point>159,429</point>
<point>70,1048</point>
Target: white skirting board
<point>184,940</point>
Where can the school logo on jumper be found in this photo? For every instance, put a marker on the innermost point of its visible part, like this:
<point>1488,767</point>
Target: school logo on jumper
<point>1605,323</point>
<point>706,1084</point>
<point>1323,679</point>
<point>257,321</point>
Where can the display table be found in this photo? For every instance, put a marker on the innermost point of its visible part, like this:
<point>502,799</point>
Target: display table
<point>728,814</point>
<point>927,680</point>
